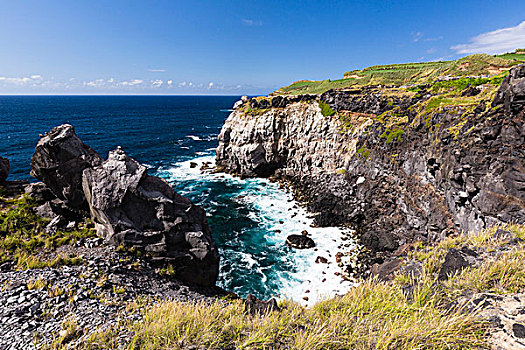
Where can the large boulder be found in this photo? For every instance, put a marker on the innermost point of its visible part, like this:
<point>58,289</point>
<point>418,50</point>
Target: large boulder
<point>139,211</point>
<point>4,169</point>
<point>60,158</point>
<point>512,91</point>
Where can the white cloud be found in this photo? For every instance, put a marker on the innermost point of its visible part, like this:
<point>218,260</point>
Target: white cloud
<point>251,22</point>
<point>416,36</point>
<point>36,76</point>
<point>16,81</point>
<point>95,83</point>
<point>169,82</point>
<point>156,70</point>
<point>431,50</point>
<point>210,85</point>
<point>131,82</point>
<point>434,39</point>
<point>497,41</point>
<point>183,84</point>
<point>157,83</point>
<point>111,80</point>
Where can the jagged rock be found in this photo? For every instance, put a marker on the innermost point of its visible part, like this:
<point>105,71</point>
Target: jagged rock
<point>60,158</point>
<point>512,91</point>
<point>454,261</point>
<point>386,270</point>
<point>254,306</point>
<point>300,241</point>
<point>39,192</point>
<point>4,169</point>
<point>424,185</point>
<point>131,208</point>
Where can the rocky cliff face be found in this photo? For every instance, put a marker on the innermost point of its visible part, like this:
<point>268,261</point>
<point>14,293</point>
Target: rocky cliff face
<point>397,166</point>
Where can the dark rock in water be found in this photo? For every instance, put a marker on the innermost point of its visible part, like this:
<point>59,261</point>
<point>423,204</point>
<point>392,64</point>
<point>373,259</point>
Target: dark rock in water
<point>4,169</point>
<point>512,91</point>
<point>321,259</point>
<point>131,208</point>
<point>454,261</point>
<point>193,165</point>
<point>254,306</point>
<point>300,241</point>
<point>59,160</point>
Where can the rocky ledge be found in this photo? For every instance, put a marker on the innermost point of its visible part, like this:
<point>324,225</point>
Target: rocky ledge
<point>395,164</point>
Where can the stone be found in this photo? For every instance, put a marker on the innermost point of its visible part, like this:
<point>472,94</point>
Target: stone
<point>512,91</point>
<point>321,260</point>
<point>131,208</point>
<point>519,330</point>
<point>300,241</point>
<point>59,159</point>
<point>254,306</point>
<point>39,192</point>
<point>454,262</point>
<point>4,169</point>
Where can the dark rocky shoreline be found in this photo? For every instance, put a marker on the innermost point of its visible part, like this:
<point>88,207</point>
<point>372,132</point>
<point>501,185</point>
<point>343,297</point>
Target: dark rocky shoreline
<point>386,167</point>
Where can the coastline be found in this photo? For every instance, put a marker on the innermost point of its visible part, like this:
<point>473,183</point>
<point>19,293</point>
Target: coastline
<point>273,207</point>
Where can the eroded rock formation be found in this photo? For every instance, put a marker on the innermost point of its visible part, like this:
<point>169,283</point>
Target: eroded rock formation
<point>393,169</point>
<point>132,208</point>
<point>60,158</point>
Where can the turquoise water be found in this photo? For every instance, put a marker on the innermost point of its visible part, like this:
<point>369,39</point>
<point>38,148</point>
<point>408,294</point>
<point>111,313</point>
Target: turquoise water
<point>250,219</point>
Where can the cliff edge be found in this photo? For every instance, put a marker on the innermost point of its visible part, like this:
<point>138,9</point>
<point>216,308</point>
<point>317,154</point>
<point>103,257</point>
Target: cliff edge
<point>398,164</point>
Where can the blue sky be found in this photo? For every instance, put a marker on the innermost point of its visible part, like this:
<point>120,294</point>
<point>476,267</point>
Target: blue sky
<point>233,47</point>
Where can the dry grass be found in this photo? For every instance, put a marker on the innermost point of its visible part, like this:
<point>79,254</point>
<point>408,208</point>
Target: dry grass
<point>374,315</point>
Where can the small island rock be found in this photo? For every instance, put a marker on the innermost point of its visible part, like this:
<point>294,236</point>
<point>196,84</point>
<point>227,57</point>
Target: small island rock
<point>300,241</point>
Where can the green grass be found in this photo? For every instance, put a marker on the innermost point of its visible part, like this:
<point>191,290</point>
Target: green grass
<point>409,73</point>
<point>23,238</point>
<point>325,109</point>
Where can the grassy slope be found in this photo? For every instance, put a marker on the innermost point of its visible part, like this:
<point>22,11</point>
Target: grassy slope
<point>409,73</point>
<point>24,241</point>
<point>374,315</point>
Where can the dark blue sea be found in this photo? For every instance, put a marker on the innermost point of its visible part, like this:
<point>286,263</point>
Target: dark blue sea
<point>250,219</point>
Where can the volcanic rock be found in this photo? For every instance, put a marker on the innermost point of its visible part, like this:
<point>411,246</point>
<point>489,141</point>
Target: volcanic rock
<point>454,261</point>
<point>512,91</point>
<point>60,158</point>
<point>254,306</point>
<point>139,211</point>
<point>300,241</point>
<point>4,169</point>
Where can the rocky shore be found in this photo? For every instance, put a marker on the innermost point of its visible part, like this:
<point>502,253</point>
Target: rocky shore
<point>93,244</point>
<point>396,165</point>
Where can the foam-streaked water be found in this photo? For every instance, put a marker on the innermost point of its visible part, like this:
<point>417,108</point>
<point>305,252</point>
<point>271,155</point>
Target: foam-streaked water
<point>250,219</point>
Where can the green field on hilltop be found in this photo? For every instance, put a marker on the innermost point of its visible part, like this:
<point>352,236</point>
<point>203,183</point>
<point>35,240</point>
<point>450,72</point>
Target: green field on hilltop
<point>410,73</point>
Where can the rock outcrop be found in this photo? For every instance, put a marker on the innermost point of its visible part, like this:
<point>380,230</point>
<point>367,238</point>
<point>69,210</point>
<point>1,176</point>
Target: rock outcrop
<point>140,211</point>
<point>387,165</point>
<point>4,169</point>
<point>60,158</point>
<point>300,241</point>
<point>512,91</point>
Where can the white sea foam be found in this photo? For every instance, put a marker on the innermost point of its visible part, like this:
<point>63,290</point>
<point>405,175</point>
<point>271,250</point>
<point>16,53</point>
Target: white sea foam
<point>194,138</point>
<point>280,215</point>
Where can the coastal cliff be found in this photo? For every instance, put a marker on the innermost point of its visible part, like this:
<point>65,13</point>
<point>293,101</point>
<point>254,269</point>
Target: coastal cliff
<point>398,164</point>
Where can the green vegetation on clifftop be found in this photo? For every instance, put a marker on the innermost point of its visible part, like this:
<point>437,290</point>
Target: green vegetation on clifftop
<point>478,65</point>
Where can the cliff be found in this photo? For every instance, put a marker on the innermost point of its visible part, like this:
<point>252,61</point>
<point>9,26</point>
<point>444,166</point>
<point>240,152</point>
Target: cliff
<point>398,164</point>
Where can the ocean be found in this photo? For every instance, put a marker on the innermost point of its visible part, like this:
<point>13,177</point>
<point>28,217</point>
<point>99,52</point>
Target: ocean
<point>250,218</point>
